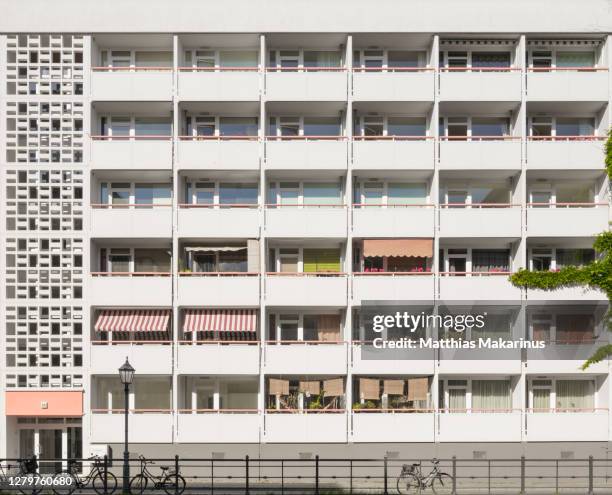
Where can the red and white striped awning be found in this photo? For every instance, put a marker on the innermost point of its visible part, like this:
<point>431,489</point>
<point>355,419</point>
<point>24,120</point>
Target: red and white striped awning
<point>133,320</point>
<point>220,320</point>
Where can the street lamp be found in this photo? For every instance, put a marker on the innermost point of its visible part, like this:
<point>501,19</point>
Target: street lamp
<point>126,374</point>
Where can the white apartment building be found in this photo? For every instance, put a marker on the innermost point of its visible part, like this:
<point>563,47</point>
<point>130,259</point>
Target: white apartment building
<point>216,192</point>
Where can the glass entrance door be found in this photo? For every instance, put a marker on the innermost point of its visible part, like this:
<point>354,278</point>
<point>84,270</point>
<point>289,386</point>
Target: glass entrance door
<point>50,449</point>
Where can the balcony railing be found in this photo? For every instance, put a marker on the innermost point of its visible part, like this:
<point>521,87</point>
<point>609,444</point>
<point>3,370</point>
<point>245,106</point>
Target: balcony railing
<point>544,206</point>
<point>218,68</point>
<point>566,138</point>
<point>305,411</point>
<point>306,138</point>
<point>143,137</point>
<point>480,138</point>
<point>480,69</point>
<point>218,274</point>
<point>218,206</point>
<point>476,274</point>
<point>132,411</point>
<point>306,274</point>
<point>393,69</point>
<point>391,410</point>
<point>393,138</point>
<point>132,69</point>
<point>218,411</point>
<point>219,138</point>
<point>131,342</point>
<point>306,69</point>
<point>107,206</point>
<point>392,274</point>
<point>305,342</point>
<point>567,69</point>
<point>131,274</point>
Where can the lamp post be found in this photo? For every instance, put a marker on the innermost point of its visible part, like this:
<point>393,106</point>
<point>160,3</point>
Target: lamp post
<point>126,374</point>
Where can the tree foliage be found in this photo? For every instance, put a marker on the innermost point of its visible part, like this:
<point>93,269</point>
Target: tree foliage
<point>595,275</point>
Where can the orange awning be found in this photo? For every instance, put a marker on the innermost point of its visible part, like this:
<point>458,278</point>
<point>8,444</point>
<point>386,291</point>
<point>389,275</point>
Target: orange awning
<point>44,403</point>
<point>417,248</point>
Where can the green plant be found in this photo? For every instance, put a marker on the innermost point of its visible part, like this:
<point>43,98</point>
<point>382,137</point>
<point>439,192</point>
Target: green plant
<point>595,275</point>
<point>368,404</point>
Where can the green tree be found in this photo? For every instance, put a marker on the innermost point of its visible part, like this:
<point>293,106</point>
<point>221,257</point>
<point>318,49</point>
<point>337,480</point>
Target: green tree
<point>596,275</point>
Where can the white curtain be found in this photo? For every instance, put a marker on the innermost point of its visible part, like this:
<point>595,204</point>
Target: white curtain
<point>541,399</point>
<point>491,394</point>
<point>238,58</point>
<point>456,399</point>
<point>574,394</point>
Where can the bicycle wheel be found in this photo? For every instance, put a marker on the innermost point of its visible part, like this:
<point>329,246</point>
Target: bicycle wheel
<point>64,483</point>
<point>98,484</point>
<point>408,484</point>
<point>442,484</point>
<point>169,484</point>
<point>138,484</point>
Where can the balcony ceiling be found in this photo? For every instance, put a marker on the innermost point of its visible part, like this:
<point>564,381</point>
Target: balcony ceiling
<point>315,108</point>
<point>393,174</point>
<point>580,108</point>
<point>477,242</point>
<point>548,175</point>
<point>477,107</point>
<point>225,108</point>
<point>393,107</point>
<point>482,174</point>
<point>133,176</point>
<point>398,41</point>
<point>152,108</point>
<point>304,175</point>
<point>574,242</point>
<point>223,175</point>
<point>134,41</point>
<point>327,41</point>
<point>226,40</point>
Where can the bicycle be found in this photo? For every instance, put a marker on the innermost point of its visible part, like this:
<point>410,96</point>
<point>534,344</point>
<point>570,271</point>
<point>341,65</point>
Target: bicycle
<point>27,467</point>
<point>412,481</point>
<point>169,480</point>
<point>95,477</point>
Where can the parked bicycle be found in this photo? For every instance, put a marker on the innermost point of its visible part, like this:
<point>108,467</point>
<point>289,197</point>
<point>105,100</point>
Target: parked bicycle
<point>412,481</point>
<point>25,468</point>
<point>96,477</point>
<point>169,480</point>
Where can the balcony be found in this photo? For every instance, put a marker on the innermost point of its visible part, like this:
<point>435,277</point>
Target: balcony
<point>310,84</point>
<point>398,84</point>
<point>303,358</point>
<point>306,289</point>
<point>393,220</point>
<point>567,219</point>
<point>305,427</point>
<point>572,84</point>
<point>131,152</point>
<point>149,357</point>
<point>573,152</point>
<point>368,360</point>
<point>306,221</point>
<point>228,221</point>
<point>480,220</point>
<point>218,358</point>
<point>372,426</point>
<point>475,426</point>
<point>146,426</point>
<point>393,153</point>
<point>131,289</point>
<point>131,84</point>
<point>218,153</point>
<point>214,84</point>
<point>223,426</point>
<point>561,426</point>
<point>393,286</point>
<point>559,357</point>
<point>238,289</point>
<point>482,152</point>
<point>478,286</point>
<point>307,153</point>
<point>131,221</point>
<point>482,84</point>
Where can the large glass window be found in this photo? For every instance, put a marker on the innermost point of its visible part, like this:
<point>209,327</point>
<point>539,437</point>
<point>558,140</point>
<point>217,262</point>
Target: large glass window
<point>576,328</point>
<point>238,126</point>
<point>404,193</point>
<point>404,58</point>
<point>575,59</point>
<point>491,395</point>
<point>572,126</point>
<point>574,193</point>
<point>490,59</point>
<point>574,257</point>
<point>406,126</point>
<point>490,260</point>
<point>152,393</point>
<point>152,194</point>
<point>321,59</point>
<point>238,58</point>
<point>152,126</point>
<point>489,126</point>
<point>322,126</point>
<point>238,194</point>
<point>490,194</point>
<point>151,260</point>
<point>575,394</point>
<point>320,193</point>
<point>153,59</point>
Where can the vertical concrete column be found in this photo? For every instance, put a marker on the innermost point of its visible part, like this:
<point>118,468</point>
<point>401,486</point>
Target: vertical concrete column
<point>89,57</point>
<point>435,180</point>
<point>348,195</point>
<point>520,193</point>
<point>3,419</point>
<point>261,403</point>
<point>176,131</point>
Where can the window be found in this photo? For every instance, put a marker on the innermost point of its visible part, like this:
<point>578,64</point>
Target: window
<point>322,59</point>
<point>575,328</point>
<point>573,126</point>
<point>541,59</point>
<point>117,126</point>
<point>117,58</point>
<point>490,260</point>
<point>576,59</point>
<point>406,126</point>
<point>373,193</point>
<point>288,260</point>
<point>542,327</point>
<point>241,194</point>
<point>203,193</point>
<point>403,59</point>
<point>288,327</point>
<point>151,260</point>
<point>373,58</point>
<point>456,59</point>
<point>238,126</point>
<point>289,193</point>
<point>289,126</point>
<point>574,257</point>
<point>541,126</point>
<point>204,126</point>
<point>457,127</point>
<point>541,395</point>
<point>204,58</point>
<point>540,198</point>
<point>491,395</point>
<point>492,194</point>
<point>322,126</point>
<point>404,193</point>
<point>119,260</point>
<point>490,59</point>
<point>152,126</point>
<point>152,194</point>
<point>238,58</point>
<point>457,395</point>
<point>321,260</point>
<point>492,126</point>
<point>321,193</point>
<point>153,59</point>
<point>541,259</point>
<point>574,193</point>
<point>118,194</point>
<point>574,395</point>
<point>373,126</point>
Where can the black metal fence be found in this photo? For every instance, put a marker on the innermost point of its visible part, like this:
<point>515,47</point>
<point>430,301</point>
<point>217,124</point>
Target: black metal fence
<point>316,475</point>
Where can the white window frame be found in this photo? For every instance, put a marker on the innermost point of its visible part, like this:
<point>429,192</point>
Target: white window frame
<point>385,123</point>
<point>551,187</point>
<point>553,122</point>
<point>553,389</point>
<point>384,58</point>
<point>276,185</point>
<point>468,188</point>
<point>299,58</point>
<point>468,123</point>
<point>299,120</point>
<point>385,191</point>
<point>553,55</point>
<point>300,252</point>
<point>190,185</point>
